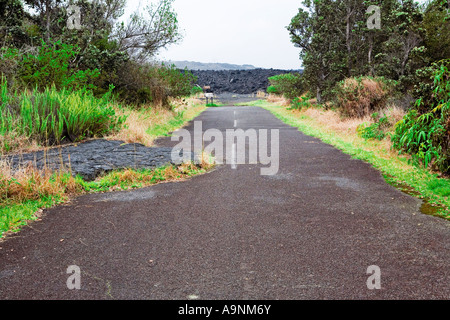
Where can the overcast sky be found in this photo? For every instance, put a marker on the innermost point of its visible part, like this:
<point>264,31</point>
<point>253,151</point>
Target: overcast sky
<point>233,31</point>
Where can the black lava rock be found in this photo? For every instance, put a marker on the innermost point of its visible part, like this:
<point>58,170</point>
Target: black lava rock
<point>236,81</point>
<point>95,158</point>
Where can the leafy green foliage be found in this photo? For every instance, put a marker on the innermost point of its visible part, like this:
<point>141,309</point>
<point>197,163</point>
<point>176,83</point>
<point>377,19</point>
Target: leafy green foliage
<point>289,85</point>
<point>11,19</point>
<point>9,60</point>
<point>272,90</point>
<point>426,136</point>
<point>300,103</point>
<point>376,130</point>
<point>179,83</point>
<point>145,83</point>
<point>196,89</point>
<point>53,65</point>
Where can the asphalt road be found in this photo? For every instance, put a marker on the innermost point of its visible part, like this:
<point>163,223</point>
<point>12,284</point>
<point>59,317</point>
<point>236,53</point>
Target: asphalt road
<point>309,232</point>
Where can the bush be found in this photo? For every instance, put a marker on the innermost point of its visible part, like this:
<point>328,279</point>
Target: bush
<point>359,97</point>
<point>289,85</point>
<point>141,84</point>
<point>426,135</point>
<point>196,89</point>
<point>178,83</point>
<point>9,59</point>
<point>272,90</point>
<point>51,117</point>
<point>53,64</point>
<point>298,104</point>
<point>376,130</point>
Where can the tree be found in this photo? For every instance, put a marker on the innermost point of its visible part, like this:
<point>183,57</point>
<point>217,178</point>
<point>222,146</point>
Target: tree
<point>145,34</point>
<point>48,12</point>
<point>336,42</point>
<point>11,18</point>
<point>407,35</point>
<point>436,23</point>
<point>317,31</point>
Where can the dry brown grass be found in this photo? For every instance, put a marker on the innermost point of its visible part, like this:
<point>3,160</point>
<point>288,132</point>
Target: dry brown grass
<point>18,143</point>
<point>139,121</point>
<point>394,113</point>
<point>359,98</point>
<point>261,94</point>
<point>279,100</point>
<point>29,183</point>
<point>333,123</point>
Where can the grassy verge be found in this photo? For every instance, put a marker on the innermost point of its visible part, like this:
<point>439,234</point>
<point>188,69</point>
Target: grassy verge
<point>27,193</point>
<point>146,124</point>
<point>396,168</point>
<point>24,193</point>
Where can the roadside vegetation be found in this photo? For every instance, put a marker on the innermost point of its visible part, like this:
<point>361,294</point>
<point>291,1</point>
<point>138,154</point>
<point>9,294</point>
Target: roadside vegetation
<point>398,169</point>
<point>63,84</point>
<point>382,95</point>
<point>25,193</point>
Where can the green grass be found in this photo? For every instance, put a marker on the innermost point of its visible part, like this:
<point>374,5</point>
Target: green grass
<point>397,170</point>
<point>14,215</point>
<point>163,130</point>
<point>51,116</point>
<point>178,121</point>
<point>18,211</point>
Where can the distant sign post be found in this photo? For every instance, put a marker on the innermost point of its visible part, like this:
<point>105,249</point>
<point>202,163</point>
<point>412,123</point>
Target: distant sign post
<point>209,96</point>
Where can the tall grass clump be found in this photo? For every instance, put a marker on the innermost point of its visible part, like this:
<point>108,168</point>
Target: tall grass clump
<point>52,117</point>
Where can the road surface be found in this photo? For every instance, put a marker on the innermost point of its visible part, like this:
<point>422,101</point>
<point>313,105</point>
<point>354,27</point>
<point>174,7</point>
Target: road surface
<point>309,232</point>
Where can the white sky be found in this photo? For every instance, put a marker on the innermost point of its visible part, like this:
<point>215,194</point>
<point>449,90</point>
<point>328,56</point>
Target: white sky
<point>233,31</point>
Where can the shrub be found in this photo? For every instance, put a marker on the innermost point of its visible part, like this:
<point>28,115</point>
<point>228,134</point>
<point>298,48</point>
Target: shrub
<point>376,130</point>
<point>141,84</point>
<point>298,104</point>
<point>272,90</point>
<point>178,83</point>
<point>196,89</point>
<point>289,85</point>
<point>359,97</point>
<point>8,63</point>
<point>51,117</point>
<point>426,136</point>
<point>53,64</point>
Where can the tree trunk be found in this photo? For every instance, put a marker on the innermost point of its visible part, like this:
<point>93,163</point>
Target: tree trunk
<point>47,27</point>
<point>348,40</point>
<point>369,57</point>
